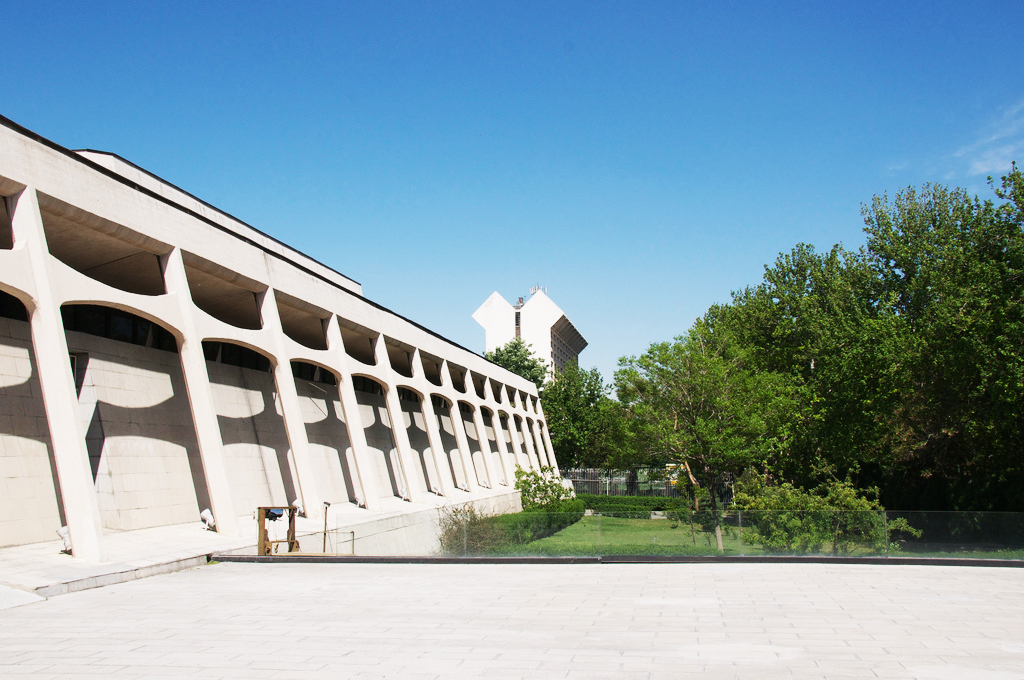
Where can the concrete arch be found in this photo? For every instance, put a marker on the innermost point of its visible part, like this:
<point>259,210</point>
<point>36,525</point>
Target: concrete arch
<point>380,435</point>
<point>429,466</point>
<point>139,435</point>
<point>327,433</point>
<point>257,454</point>
<point>128,309</point>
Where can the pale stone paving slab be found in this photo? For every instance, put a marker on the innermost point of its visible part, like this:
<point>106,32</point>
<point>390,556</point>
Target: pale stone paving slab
<point>571,622</point>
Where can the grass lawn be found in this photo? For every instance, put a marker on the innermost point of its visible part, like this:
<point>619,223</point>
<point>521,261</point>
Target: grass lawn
<point>597,535</point>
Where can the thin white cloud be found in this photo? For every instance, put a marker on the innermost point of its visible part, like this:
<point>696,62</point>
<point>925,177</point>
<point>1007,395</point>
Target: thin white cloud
<point>999,144</point>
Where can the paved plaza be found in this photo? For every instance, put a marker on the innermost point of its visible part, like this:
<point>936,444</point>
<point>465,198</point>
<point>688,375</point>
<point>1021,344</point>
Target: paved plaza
<point>627,621</point>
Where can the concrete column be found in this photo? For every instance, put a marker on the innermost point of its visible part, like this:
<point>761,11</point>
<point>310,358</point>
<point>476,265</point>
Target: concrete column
<point>445,477</point>
<point>294,424</point>
<point>485,447</point>
<point>522,459</point>
<point>200,400</point>
<point>365,470</point>
<point>530,450</point>
<point>551,450</point>
<point>60,398</point>
<point>502,445</point>
<point>459,428</point>
<point>407,457</point>
<point>399,432</point>
<point>468,468</point>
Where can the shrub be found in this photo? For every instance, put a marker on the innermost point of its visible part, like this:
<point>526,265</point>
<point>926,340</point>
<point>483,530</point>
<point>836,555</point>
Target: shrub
<point>464,531</point>
<point>636,506</point>
<point>541,490</point>
<point>835,514</point>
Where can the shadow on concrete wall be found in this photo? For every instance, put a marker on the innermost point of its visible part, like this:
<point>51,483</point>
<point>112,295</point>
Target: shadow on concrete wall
<point>31,507</point>
<point>139,433</point>
<point>326,428</point>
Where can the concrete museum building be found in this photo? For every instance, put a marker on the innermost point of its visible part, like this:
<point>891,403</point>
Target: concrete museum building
<point>159,357</point>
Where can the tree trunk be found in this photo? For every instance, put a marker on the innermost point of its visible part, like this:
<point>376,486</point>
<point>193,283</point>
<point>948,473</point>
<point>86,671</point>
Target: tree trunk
<point>713,489</point>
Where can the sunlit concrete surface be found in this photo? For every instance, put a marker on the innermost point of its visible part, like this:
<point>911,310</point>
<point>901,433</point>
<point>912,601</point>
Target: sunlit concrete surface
<point>530,621</point>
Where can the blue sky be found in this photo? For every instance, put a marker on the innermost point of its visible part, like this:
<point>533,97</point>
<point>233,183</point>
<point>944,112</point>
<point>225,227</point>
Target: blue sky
<point>641,160</point>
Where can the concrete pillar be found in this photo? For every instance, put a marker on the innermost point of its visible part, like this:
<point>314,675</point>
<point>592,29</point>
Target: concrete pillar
<point>200,400</point>
<point>465,455</point>
<point>294,424</point>
<point>530,450</point>
<point>399,432</point>
<point>551,450</point>
<point>468,469</point>
<point>485,447</point>
<point>522,460</point>
<point>60,398</point>
<point>445,477</point>
<point>502,445</point>
<point>407,457</point>
<point>365,470</point>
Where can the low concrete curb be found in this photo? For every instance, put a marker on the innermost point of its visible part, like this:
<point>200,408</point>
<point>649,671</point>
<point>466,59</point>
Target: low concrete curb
<point>622,559</point>
<point>101,580</point>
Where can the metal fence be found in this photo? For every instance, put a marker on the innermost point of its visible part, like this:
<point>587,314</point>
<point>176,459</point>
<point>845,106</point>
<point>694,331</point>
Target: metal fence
<point>642,482</point>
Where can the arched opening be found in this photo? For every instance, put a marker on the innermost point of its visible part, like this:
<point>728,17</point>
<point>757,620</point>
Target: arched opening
<point>458,377</point>
<point>400,356</point>
<point>139,430</point>
<point>478,384</point>
<point>425,476</point>
<point>260,467</point>
<point>431,367</point>
<point>549,455</point>
<point>30,501</point>
<point>520,438</point>
<point>327,433</point>
<point>538,451</point>
<point>102,250</point>
<point>505,433</point>
<point>473,438</point>
<point>495,452</point>
<point>380,439</point>
<point>449,441</point>
<point>497,390</point>
<point>223,294</point>
<point>303,322</point>
<point>360,342</point>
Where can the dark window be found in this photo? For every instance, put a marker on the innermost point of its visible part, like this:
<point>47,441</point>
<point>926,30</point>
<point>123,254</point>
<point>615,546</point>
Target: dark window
<point>107,322</point>
<point>408,395</point>
<point>361,384</point>
<point>311,373</point>
<point>11,308</point>
<point>236,355</point>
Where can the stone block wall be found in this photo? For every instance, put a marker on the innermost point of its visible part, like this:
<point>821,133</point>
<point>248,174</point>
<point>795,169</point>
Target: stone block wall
<point>29,505</point>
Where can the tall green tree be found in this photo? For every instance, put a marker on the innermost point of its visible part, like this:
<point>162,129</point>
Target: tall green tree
<point>699,402</point>
<point>954,267</point>
<point>579,417</point>
<point>518,357</point>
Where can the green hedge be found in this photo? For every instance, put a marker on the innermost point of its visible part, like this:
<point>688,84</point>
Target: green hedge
<point>633,507</point>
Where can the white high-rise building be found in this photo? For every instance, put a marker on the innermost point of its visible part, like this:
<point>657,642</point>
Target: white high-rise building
<point>538,321</point>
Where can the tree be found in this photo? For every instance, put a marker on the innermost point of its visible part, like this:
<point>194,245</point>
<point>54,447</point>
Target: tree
<point>954,267</point>
<point>699,403</point>
<point>579,417</point>
<point>517,357</point>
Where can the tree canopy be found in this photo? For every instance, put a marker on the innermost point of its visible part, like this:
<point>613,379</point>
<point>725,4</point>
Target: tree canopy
<point>518,357</point>
<point>898,365</point>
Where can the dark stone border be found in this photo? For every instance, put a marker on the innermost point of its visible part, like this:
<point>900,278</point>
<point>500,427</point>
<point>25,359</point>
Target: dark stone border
<point>625,559</point>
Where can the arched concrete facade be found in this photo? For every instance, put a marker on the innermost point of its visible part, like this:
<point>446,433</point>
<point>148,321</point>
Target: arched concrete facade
<point>220,428</point>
